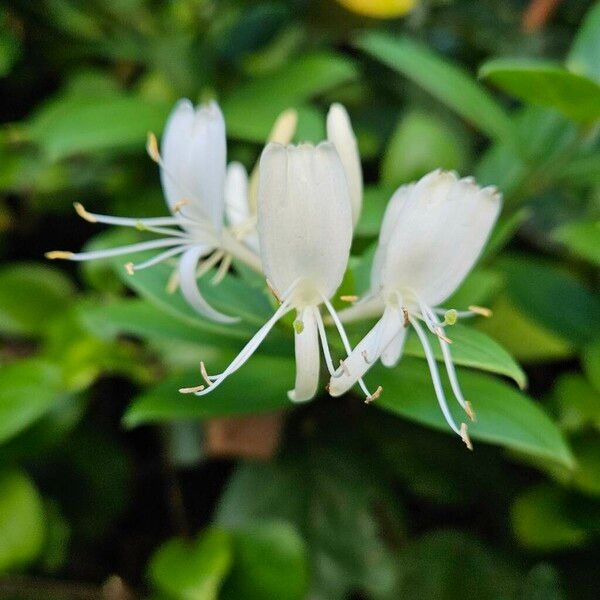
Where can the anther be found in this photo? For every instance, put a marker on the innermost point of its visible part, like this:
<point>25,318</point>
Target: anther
<point>54,254</point>
<point>366,357</point>
<point>405,318</point>
<point>350,298</point>
<point>465,436</point>
<point>374,395</point>
<point>204,373</point>
<point>173,282</point>
<point>274,292</point>
<point>179,205</point>
<point>84,214</point>
<point>469,411</point>
<point>191,390</point>
<point>440,333</point>
<point>152,147</point>
<point>130,268</point>
<point>481,310</point>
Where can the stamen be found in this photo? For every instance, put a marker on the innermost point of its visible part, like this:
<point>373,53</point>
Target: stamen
<point>84,214</point>
<point>54,254</point>
<point>465,436</point>
<point>222,270</point>
<point>274,292</point>
<point>324,343</point>
<point>191,390</point>
<point>374,395</point>
<point>469,411</point>
<point>440,333</point>
<point>205,266</point>
<point>179,205</point>
<point>350,298</point>
<point>366,357</point>
<point>344,368</point>
<point>152,148</point>
<point>130,268</point>
<point>204,374</point>
<point>405,317</point>
<point>481,310</point>
<point>173,282</point>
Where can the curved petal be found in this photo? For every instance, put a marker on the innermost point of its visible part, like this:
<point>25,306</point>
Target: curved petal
<point>307,357</point>
<point>392,354</point>
<point>440,229</point>
<point>340,133</point>
<point>367,352</point>
<point>304,216</point>
<point>194,154</point>
<point>189,286</point>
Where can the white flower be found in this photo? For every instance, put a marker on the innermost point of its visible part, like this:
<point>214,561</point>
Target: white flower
<point>305,230</point>
<point>341,135</point>
<point>193,174</point>
<point>432,234</point>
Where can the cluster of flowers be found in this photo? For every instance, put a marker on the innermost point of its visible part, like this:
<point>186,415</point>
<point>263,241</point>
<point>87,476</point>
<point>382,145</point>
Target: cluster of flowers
<point>292,219</point>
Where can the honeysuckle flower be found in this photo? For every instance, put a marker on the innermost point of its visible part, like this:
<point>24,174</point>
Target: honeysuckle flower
<point>193,176</point>
<point>305,230</point>
<point>340,133</point>
<point>432,234</point>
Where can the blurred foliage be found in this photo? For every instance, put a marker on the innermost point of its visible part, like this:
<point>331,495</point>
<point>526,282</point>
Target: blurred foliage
<point>368,503</point>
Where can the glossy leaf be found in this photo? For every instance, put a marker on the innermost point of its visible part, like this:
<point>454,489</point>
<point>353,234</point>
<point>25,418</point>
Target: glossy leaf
<point>582,238</point>
<point>21,521</point>
<point>553,298</point>
<point>30,389</point>
<point>30,296</point>
<point>584,57</point>
<point>578,402</point>
<point>546,84</point>
<point>471,348</point>
<point>504,416</point>
<point>444,80</point>
<point>192,569</point>
<point>270,561</point>
<point>252,389</point>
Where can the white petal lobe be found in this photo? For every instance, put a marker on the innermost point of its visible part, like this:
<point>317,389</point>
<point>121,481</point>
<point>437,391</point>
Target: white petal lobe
<point>304,216</point>
<point>392,354</point>
<point>340,133</point>
<point>307,357</point>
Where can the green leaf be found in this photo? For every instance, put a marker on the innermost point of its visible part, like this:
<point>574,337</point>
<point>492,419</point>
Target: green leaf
<point>30,296</point>
<point>577,402</point>
<point>582,238</point>
<point>471,348</point>
<point>479,287</point>
<point>30,389</point>
<point>583,170</point>
<point>451,564</point>
<point>260,386</point>
<point>542,520</point>
<point>192,569</point>
<point>21,521</point>
<point>591,363</point>
<point>584,57</point>
<point>73,124</point>
<point>444,80</point>
<point>420,144</point>
<point>553,298</point>
<point>542,583</point>
<point>546,84</point>
<point>525,339</point>
<point>332,505</point>
<point>586,476</point>
<point>504,416</point>
<point>270,561</point>
<point>252,109</point>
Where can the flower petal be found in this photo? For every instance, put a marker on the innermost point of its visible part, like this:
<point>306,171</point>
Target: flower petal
<point>340,133</point>
<point>367,352</point>
<point>392,354</point>
<point>194,154</point>
<point>189,286</point>
<point>236,194</point>
<point>304,216</point>
<point>440,229</point>
<point>307,357</point>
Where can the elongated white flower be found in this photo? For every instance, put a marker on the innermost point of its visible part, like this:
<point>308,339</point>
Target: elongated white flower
<point>432,234</point>
<point>341,135</point>
<point>305,229</point>
<point>193,175</point>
